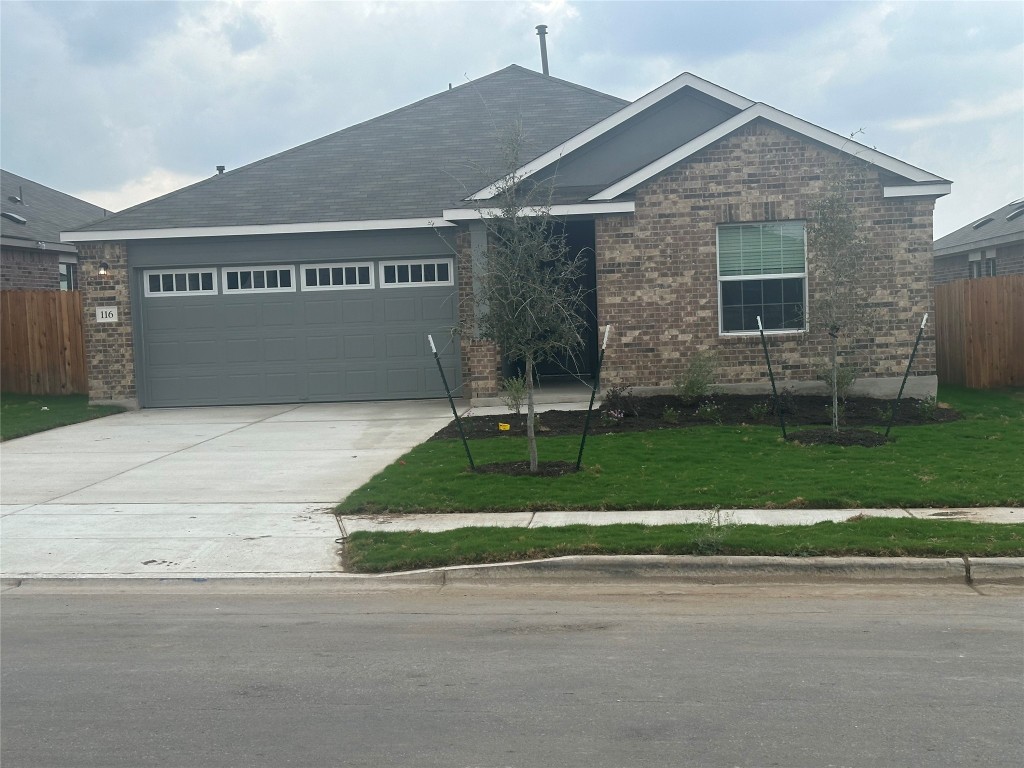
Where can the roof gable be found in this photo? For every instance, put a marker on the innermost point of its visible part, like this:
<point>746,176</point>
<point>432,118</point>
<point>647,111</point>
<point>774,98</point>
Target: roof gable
<point>743,111</point>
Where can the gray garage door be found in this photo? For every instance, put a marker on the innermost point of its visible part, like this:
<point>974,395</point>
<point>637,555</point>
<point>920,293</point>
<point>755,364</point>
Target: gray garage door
<point>289,333</point>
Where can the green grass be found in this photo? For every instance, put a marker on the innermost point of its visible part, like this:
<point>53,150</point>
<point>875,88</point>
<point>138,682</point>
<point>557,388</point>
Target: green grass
<point>371,552</point>
<point>26,414</point>
<point>978,461</point>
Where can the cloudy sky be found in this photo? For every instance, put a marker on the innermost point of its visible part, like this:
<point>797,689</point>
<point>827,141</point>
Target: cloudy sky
<point>118,102</point>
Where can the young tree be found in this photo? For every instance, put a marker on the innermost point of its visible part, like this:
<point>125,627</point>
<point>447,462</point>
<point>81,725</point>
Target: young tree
<point>530,296</point>
<point>837,248</point>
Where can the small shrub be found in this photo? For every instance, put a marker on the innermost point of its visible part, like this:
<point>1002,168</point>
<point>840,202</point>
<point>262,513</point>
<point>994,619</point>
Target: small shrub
<point>709,410</point>
<point>699,377</point>
<point>620,399</point>
<point>927,408</point>
<point>711,532</point>
<point>846,375</point>
<point>762,410</point>
<point>611,418</point>
<point>670,415</point>
<point>513,394</point>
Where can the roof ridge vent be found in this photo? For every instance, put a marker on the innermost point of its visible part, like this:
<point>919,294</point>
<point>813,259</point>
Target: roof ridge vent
<point>982,223</point>
<point>1015,214</point>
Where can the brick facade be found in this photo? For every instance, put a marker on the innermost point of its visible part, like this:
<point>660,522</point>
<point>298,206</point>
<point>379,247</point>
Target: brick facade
<point>657,268</point>
<point>110,357</point>
<point>657,273</point>
<point>957,266</point>
<point>481,360</point>
<point>29,270</point>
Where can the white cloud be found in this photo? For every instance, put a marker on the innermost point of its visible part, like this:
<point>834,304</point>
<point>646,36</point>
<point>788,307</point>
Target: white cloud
<point>1007,104</point>
<point>157,182</point>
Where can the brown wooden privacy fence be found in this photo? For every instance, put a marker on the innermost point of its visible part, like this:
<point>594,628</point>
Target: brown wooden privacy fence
<point>42,348</point>
<point>979,332</point>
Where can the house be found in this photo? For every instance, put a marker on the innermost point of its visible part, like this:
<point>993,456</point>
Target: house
<point>316,274</point>
<point>992,245</point>
<point>32,255</point>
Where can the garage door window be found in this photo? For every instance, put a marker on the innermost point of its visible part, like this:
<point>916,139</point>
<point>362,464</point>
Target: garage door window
<point>329,277</point>
<point>258,279</point>
<point>396,274</point>
<point>179,282</point>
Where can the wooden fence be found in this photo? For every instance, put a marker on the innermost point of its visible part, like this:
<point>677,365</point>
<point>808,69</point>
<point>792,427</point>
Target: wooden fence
<point>42,348</point>
<point>979,332</point>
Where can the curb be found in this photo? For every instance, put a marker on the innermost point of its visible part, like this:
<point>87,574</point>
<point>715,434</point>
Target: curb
<point>591,570</point>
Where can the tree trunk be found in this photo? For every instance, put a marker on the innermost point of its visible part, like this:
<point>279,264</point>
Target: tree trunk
<point>531,435</point>
<point>835,385</point>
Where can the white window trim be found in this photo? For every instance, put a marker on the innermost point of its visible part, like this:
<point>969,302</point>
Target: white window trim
<point>257,268</point>
<point>773,276</point>
<point>336,265</point>
<point>158,294</point>
<point>411,262</point>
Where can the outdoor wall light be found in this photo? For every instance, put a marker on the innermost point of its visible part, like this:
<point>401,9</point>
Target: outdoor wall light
<point>104,268</point>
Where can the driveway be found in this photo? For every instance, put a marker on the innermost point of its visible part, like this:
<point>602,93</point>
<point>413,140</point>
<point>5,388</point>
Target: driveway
<point>197,491</point>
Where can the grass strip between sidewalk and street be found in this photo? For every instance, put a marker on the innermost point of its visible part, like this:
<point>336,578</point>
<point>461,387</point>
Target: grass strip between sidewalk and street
<point>22,415</point>
<point>377,552</point>
<point>976,461</point>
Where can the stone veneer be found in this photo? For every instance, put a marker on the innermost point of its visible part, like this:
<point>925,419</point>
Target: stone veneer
<point>110,357</point>
<point>24,269</point>
<point>481,360</point>
<point>657,274</point>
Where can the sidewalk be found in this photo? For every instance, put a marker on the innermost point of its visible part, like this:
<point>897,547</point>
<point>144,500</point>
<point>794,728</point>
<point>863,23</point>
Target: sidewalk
<point>447,522</point>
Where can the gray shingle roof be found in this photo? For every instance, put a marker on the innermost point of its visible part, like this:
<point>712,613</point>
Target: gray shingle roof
<point>996,232</point>
<point>47,212</point>
<point>410,163</point>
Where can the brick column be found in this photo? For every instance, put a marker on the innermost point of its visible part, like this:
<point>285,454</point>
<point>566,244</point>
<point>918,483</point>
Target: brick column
<point>110,358</point>
<point>481,360</point>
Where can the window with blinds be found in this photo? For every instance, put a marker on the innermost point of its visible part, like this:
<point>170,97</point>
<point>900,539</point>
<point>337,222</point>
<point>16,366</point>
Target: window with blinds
<point>762,272</point>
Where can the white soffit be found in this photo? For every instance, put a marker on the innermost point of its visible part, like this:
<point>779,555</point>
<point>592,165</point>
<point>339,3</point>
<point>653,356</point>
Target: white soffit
<point>624,114</point>
<point>576,209</point>
<point>918,190</point>
<point>784,120</point>
<point>251,229</point>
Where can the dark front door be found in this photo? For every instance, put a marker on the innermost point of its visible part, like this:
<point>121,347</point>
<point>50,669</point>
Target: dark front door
<point>580,239</point>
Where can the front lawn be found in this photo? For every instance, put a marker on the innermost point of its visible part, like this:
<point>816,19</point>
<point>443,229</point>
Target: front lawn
<point>977,461</point>
<point>26,414</point>
<point>373,552</point>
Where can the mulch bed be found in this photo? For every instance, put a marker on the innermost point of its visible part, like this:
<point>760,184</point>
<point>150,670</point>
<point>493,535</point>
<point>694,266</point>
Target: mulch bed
<point>522,468</point>
<point>635,413</point>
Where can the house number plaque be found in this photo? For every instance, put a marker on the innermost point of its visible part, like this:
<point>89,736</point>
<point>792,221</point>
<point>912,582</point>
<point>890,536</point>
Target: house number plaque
<point>106,314</point>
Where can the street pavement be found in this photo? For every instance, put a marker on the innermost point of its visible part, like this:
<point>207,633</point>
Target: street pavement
<point>593,676</point>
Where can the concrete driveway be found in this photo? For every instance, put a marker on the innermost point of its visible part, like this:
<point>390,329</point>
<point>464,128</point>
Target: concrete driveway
<point>197,491</point>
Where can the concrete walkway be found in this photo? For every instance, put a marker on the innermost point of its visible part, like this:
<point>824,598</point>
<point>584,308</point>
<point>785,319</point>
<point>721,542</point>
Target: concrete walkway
<point>447,522</point>
<point>189,491</point>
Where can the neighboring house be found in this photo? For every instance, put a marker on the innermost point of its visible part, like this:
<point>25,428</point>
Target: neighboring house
<point>32,255</point>
<point>316,274</point>
<point>992,245</point>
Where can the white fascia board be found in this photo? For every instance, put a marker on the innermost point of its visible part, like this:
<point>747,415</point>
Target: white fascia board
<point>252,229</point>
<point>575,209</point>
<point>785,120</point>
<point>612,121</point>
<point>919,190</point>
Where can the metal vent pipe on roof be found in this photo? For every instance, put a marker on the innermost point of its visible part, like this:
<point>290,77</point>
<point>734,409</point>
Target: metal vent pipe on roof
<point>542,31</point>
<point>220,169</point>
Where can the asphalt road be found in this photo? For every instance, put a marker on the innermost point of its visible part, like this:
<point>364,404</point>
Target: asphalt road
<point>836,675</point>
